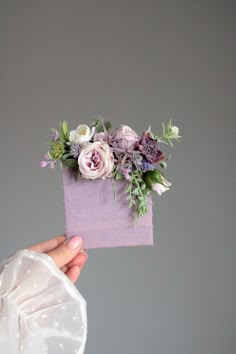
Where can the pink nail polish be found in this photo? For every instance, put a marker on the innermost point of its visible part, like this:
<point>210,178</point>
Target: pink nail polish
<point>74,243</point>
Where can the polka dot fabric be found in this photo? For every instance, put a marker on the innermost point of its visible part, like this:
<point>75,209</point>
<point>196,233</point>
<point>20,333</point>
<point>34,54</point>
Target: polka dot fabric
<point>41,311</point>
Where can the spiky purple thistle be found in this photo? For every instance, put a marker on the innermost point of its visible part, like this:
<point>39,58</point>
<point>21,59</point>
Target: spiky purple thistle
<point>149,148</point>
<point>75,150</point>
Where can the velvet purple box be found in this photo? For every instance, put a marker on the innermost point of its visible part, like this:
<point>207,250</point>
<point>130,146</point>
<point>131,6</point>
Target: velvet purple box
<point>92,213</point>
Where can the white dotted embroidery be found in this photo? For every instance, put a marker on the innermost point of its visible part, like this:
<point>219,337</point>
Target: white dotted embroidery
<point>61,346</point>
<point>28,271</point>
<point>44,316</point>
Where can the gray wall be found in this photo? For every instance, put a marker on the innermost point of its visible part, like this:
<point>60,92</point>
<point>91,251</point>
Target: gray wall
<point>135,62</point>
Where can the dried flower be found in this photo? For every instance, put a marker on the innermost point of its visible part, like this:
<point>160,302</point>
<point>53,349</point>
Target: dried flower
<point>149,148</point>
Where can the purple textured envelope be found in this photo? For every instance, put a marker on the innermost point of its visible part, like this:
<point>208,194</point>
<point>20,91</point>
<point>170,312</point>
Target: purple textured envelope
<point>92,213</point>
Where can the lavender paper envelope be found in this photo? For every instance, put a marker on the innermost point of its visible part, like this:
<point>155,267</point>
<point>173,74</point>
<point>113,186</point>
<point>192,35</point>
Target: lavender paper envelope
<point>92,213</point>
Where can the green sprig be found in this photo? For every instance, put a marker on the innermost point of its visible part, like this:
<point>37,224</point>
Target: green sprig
<point>137,194</point>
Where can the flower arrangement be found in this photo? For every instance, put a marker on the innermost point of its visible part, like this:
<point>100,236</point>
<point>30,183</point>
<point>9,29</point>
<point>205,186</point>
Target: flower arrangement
<point>98,151</point>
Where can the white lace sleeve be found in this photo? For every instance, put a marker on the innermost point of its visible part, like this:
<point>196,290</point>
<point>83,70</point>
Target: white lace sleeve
<point>41,311</point>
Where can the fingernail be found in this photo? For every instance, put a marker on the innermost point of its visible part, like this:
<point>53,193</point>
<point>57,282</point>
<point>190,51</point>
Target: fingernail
<point>84,252</point>
<point>83,258</point>
<point>74,243</point>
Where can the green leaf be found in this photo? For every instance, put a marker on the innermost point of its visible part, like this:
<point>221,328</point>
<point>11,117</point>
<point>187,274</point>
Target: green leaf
<point>107,125</point>
<point>76,175</point>
<point>64,131</point>
<point>70,163</point>
<point>163,165</point>
<point>128,189</point>
<point>65,156</point>
<point>118,175</point>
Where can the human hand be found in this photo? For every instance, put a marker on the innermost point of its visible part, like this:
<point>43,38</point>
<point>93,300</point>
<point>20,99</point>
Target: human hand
<point>68,255</point>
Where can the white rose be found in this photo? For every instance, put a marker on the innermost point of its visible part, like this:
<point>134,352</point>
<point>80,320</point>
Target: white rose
<point>82,134</point>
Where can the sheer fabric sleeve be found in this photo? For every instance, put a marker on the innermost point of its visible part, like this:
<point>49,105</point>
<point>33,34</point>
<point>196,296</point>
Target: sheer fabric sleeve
<point>41,311</point>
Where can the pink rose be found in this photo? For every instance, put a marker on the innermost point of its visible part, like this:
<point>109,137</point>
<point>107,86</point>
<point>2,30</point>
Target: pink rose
<point>96,160</point>
<point>99,137</point>
<point>126,137</point>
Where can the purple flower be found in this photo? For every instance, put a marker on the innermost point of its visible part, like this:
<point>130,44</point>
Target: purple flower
<point>75,150</point>
<point>43,164</point>
<point>126,172</point>
<point>54,135</point>
<point>149,148</point>
<point>125,138</point>
<point>146,166</point>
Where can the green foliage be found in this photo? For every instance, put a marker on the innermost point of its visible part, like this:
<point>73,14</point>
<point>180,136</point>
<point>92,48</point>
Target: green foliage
<point>137,194</point>
<point>100,125</point>
<point>72,163</point>
<point>169,133</point>
<point>64,131</point>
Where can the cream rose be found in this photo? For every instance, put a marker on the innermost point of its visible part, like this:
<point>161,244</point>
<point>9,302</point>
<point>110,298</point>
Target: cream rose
<point>96,160</point>
<point>81,135</point>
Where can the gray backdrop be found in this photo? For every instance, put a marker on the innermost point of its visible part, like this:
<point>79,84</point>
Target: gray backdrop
<point>134,62</point>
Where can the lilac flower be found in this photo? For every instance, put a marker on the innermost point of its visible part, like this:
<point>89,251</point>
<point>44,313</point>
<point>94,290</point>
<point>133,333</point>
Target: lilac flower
<point>52,165</point>
<point>49,161</point>
<point>54,135</point>
<point>46,163</point>
<point>126,172</point>
<point>146,166</point>
<point>125,138</point>
<point>149,148</point>
<point>43,164</point>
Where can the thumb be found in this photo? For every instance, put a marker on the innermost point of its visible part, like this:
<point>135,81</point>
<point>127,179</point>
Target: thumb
<point>66,251</point>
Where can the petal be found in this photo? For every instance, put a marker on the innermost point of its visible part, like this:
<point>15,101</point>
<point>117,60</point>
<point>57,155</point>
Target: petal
<point>159,188</point>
